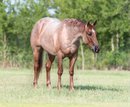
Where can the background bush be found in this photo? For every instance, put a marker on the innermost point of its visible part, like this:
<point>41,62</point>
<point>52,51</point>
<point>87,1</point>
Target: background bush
<point>113,31</point>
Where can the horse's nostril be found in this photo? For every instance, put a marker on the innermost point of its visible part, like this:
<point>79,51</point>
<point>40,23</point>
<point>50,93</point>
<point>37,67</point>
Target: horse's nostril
<point>96,49</point>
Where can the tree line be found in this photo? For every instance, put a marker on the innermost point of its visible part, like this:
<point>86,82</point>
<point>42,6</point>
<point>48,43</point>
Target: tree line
<point>17,18</point>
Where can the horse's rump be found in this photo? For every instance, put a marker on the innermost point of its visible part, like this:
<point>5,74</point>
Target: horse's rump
<point>43,33</point>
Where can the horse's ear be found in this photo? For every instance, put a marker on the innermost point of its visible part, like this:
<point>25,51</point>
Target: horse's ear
<point>95,23</point>
<point>88,23</point>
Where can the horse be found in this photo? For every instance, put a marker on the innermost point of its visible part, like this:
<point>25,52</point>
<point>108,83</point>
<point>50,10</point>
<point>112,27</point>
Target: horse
<point>60,38</point>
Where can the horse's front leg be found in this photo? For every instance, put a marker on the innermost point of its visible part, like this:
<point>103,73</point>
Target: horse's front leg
<point>71,70</point>
<point>60,70</point>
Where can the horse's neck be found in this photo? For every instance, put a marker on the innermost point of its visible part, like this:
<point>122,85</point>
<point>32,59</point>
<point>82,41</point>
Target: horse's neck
<point>76,38</point>
<point>76,34</point>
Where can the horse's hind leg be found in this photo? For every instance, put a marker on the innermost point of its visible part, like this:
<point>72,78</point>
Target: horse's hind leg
<point>37,53</point>
<point>48,68</point>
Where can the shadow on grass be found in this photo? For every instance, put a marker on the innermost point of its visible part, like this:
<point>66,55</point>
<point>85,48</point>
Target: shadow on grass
<point>92,87</point>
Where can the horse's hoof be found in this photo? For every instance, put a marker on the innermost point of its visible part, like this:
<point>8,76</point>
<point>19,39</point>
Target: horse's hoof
<point>71,89</point>
<point>35,85</point>
<point>49,87</point>
<point>59,87</point>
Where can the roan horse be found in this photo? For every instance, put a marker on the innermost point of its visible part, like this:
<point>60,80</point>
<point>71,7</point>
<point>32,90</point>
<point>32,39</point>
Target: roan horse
<point>61,39</point>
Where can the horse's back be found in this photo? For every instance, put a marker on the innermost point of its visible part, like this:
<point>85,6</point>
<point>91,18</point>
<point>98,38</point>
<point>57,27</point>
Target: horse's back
<point>47,23</point>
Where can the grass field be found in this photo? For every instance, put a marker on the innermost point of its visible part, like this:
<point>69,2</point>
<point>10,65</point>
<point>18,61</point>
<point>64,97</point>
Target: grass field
<point>92,89</point>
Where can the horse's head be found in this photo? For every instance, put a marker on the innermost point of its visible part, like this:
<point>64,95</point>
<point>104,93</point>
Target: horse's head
<point>89,37</point>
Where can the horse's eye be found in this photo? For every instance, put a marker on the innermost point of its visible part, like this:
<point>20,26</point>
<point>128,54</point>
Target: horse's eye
<point>89,33</point>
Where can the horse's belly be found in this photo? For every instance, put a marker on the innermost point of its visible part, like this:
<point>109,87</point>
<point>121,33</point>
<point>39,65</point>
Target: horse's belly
<point>48,45</point>
<point>48,41</point>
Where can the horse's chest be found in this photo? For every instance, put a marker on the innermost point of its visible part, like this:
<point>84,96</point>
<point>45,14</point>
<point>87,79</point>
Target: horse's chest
<point>74,48</point>
<point>69,49</point>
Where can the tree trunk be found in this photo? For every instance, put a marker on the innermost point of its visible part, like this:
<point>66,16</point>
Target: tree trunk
<point>82,54</point>
<point>4,50</point>
<point>112,44</point>
<point>94,59</point>
<point>117,41</point>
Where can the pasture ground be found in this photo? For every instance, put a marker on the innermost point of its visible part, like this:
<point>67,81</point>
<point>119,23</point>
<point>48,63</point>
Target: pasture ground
<point>92,89</point>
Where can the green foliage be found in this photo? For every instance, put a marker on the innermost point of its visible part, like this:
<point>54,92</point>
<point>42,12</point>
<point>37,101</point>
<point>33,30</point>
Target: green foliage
<point>18,18</point>
<point>17,22</point>
<point>113,60</point>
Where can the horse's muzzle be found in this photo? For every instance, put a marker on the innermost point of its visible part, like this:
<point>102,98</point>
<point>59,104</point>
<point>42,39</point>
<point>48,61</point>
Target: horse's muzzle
<point>96,49</point>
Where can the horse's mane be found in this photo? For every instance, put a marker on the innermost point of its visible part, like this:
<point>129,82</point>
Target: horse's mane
<point>75,23</point>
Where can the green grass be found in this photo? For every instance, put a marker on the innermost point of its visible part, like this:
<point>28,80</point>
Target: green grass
<point>92,89</point>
